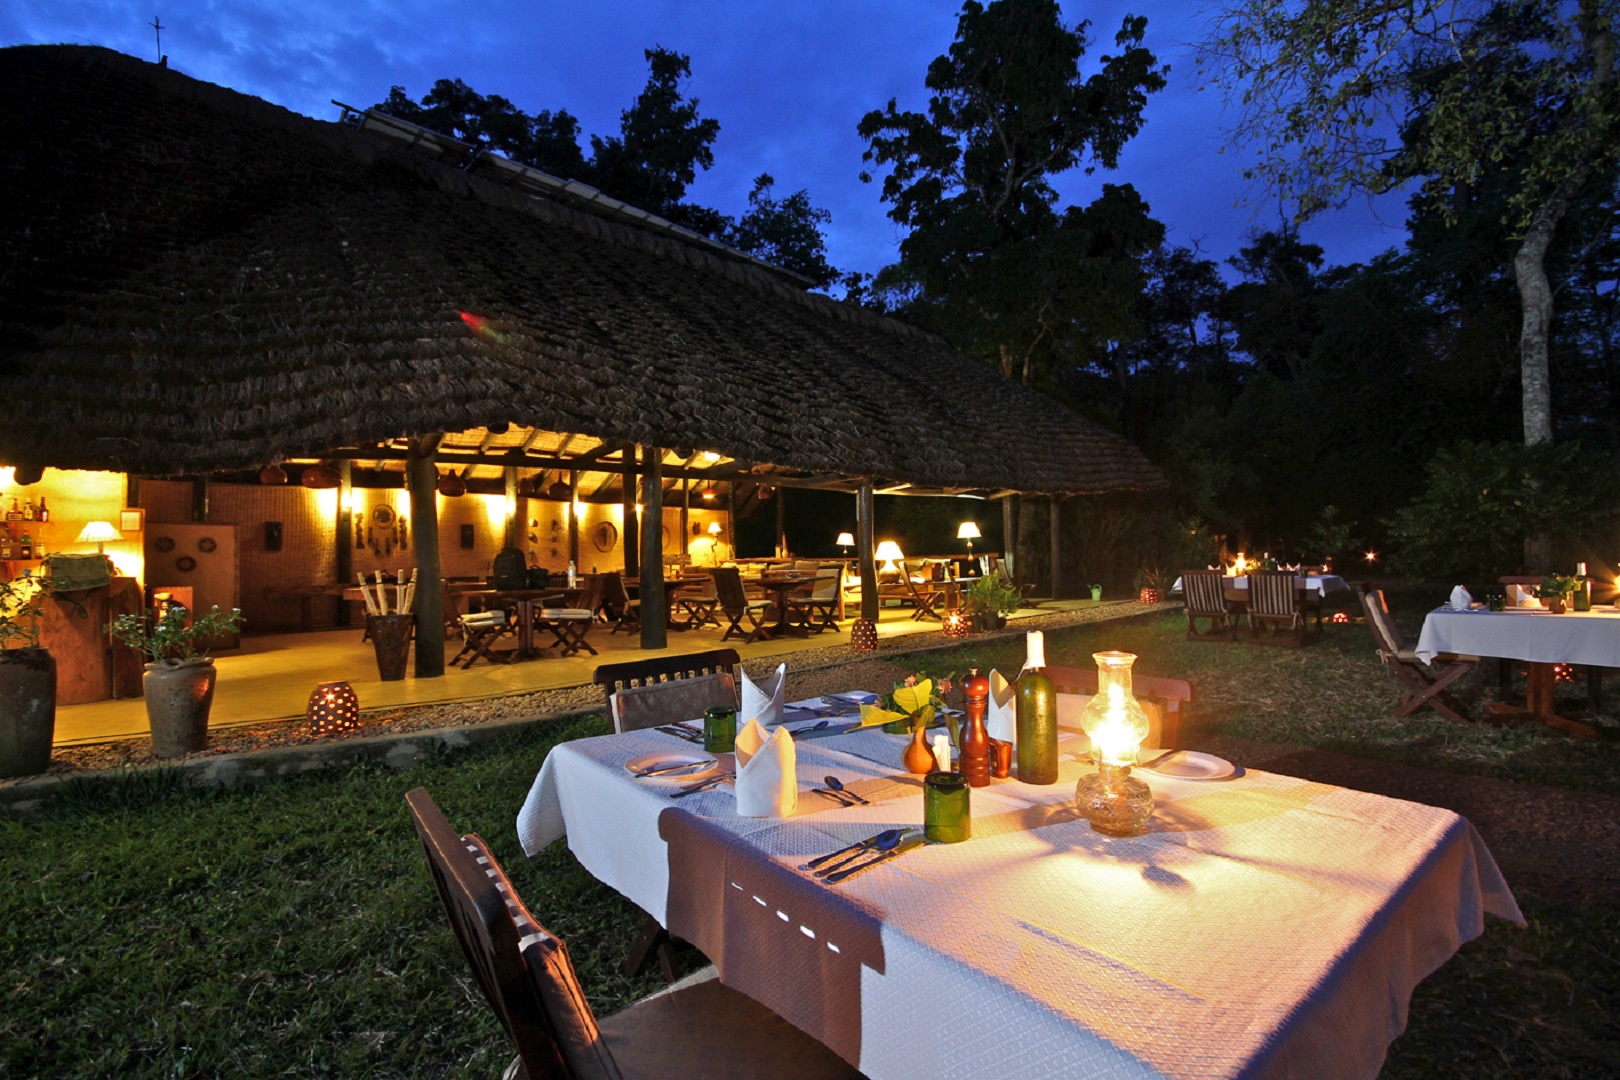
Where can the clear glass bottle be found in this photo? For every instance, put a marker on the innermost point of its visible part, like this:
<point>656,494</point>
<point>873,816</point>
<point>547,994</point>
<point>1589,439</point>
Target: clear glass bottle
<point>1036,746</point>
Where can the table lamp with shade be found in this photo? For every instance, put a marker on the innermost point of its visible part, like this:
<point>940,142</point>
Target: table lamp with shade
<point>888,553</point>
<point>845,541</point>
<point>98,533</point>
<point>968,531</point>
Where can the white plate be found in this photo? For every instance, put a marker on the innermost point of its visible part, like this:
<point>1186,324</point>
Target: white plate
<point>697,764</point>
<point>1193,765</point>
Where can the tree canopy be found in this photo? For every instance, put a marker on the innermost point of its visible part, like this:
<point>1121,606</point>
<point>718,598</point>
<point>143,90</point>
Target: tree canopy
<point>662,144</point>
<point>988,257</point>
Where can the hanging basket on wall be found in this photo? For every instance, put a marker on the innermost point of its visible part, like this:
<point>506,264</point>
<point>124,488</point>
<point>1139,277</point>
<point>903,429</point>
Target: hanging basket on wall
<point>272,474</point>
<point>320,476</point>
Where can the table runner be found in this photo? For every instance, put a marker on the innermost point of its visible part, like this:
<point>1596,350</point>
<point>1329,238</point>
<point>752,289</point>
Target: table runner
<point>1268,926</point>
<point>1530,634</point>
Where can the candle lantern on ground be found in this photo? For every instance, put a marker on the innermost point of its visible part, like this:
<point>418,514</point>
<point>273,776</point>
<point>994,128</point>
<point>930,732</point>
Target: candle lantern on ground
<point>333,709</point>
<point>863,635</point>
<point>954,624</point>
<point>1115,802</point>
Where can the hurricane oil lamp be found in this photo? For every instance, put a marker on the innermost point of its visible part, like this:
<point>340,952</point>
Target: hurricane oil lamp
<point>1115,802</point>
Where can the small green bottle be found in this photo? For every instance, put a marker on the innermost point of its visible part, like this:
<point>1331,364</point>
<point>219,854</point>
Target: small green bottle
<point>1037,717</point>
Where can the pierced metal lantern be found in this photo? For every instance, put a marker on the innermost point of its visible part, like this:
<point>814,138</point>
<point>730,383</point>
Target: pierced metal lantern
<point>334,709</point>
<point>1148,595</point>
<point>955,624</point>
<point>863,635</point>
<point>1340,617</point>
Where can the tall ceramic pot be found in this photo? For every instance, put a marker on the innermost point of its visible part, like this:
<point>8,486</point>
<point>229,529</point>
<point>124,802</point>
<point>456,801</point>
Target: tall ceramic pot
<point>178,697</point>
<point>27,710</point>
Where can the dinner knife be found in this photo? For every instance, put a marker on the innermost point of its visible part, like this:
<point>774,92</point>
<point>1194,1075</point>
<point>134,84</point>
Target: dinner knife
<point>682,766</point>
<point>870,841</point>
<point>701,785</point>
<point>845,874</point>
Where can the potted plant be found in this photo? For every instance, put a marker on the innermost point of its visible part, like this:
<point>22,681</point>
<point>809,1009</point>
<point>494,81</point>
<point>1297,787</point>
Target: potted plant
<point>27,679</point>
<point>988,602</point>
<point>1554,592</point>
<point>179,679</point>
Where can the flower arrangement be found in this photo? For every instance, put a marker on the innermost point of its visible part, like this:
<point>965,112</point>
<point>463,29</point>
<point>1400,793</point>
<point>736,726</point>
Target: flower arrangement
<point>912,704</point>
<point>168,640</point>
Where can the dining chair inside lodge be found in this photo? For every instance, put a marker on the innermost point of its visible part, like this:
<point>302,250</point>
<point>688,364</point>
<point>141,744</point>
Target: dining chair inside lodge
<point>695,1028</point>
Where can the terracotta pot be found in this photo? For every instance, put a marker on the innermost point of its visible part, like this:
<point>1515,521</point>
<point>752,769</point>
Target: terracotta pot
<point>27,710</point>
<point>1556,604</point>
<point>918,758</point>
<point>178,697</point>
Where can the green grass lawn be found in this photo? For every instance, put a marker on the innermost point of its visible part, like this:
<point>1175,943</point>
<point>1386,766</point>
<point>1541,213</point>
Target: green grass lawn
<point>150,929</point>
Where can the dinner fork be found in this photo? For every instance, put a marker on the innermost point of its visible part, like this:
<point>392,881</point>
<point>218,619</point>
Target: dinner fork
<point>702,785</point>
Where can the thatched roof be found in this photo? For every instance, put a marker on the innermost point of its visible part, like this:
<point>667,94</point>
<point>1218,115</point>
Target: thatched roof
<point>193,280</point>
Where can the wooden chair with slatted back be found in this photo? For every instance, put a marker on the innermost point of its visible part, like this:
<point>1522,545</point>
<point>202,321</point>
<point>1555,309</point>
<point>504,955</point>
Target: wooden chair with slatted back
<point>819,610</point>
<point>737,607</point>
<point>1164,700</point>
<point>1275,615</point>
<point>625,612</point>
<point>696,1028</point>
<point>1427,684</point>
<point>1204,595</point>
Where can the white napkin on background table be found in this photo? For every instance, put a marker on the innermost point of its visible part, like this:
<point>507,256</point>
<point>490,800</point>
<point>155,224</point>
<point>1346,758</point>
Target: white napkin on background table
<point>1460,599</point>
<point>1001,711</point>
<point>767,772</point>
<point>762,701</point>
<point>1519,596</point>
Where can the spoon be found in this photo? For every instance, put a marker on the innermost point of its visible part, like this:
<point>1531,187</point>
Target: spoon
<point>886,836</point>
<point>838,785</point>
<point>886,842</point>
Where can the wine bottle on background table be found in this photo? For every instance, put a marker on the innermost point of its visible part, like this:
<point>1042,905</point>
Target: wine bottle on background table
<point>1037,717</point>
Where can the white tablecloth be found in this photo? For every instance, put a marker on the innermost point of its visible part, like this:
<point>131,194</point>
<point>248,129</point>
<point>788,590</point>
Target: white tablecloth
<point>1266,927</point>
<point>1320,584</point>
<point>1536,635</point>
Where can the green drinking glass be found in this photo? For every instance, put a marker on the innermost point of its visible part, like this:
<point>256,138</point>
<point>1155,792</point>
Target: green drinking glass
<point>946,814</point>
<point>720,730</point>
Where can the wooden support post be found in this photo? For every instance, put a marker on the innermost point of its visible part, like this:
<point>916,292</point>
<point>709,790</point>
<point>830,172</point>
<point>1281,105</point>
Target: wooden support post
<point>344,553</point>
<point>781,522</point>
<point>865,532</point>
<point>513,532</point>
<point>1009,533</point>
<point>1056,519</point>
<point>632,564</point>
<point>199,499</point>
<point>654,608</point>
<point>422,480</point>
<point>573,517</point>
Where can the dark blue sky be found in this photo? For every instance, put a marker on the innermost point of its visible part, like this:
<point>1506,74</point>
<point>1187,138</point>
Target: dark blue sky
<point>787,79</point>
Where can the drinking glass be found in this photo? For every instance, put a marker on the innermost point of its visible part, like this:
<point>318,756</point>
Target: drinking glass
<point>1496,602</point>
<point>720,730</point>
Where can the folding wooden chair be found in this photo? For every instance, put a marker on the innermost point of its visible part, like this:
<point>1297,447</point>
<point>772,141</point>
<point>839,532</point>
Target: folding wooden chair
<point>625,612</point>
<point>479,633</point>
<point>1204,594</point>
<point>568,627</point>
<point>1274,607</point>
<point>699,604</point>
<point>736,606</point>
<point>1427,683</point>
<point>696,1028</point>
<point>924,595</point>
<point>819,610</point>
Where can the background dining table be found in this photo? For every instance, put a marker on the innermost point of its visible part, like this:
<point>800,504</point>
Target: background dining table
<point>1265,926</point>
<point>1534,635</point>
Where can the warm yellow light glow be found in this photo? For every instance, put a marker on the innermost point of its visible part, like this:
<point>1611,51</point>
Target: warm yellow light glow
<point>326,502</point>
<point>968,530</point>
<point>1240,564</point>
<point>714,528</point>
<point>8,476</point>
<point>1372,556</point>
<point>845,540</point>
<point>98,533</point>
<point>888,553</point>
<point>1114,719</point>
<point>494,511</point>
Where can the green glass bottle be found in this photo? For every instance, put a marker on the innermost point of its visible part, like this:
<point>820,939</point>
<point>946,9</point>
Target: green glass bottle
<point>1037,717</point>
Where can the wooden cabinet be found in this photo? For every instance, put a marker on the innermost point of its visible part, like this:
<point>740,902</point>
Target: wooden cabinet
<point>89,666</point>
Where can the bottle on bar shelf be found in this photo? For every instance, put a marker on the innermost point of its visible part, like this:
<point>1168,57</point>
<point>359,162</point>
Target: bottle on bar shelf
<point>28,509</point>
<point>26,546</point>
<point>43,514</point>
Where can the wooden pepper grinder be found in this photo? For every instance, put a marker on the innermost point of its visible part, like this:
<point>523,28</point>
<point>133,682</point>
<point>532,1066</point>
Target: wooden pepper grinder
<point>975,762</point>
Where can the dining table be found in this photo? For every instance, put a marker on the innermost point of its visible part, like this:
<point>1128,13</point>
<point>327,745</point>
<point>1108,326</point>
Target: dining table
<point>1536,636</point>
<point>779,585</point>
<point>1263,926</point>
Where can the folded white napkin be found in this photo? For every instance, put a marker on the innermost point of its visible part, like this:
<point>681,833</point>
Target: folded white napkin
<point>1001,711</point>
<point>767,777</point>
<point>1520,596</point>
<point>1460,599</point>
<point>762,701</point>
